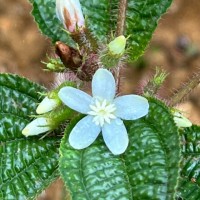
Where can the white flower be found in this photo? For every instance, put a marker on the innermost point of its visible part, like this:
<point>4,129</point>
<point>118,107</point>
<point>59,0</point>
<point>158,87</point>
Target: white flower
<point>37,126</point>
<point>181,121</point>
<point>104,113</point>
<point>47,104</point>
<point>70,14</point>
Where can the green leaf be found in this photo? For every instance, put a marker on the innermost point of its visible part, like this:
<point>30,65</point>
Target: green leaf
<point>101,16</point>
<point>28,165</point>
<point>97,13</point>
<point>147,170</point>
<point>142,18</point>
<point>189,183</point>
<point>44,13</point>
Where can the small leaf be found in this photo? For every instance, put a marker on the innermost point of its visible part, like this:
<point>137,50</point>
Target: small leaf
<point>28,165</point>
<point>147,170</point>
<point>189,182</point>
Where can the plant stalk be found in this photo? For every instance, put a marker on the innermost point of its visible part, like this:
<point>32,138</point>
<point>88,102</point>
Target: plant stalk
<point>185,90</point>
<point>121,21</point>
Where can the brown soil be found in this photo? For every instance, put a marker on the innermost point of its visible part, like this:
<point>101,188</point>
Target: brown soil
<point>22,48</point>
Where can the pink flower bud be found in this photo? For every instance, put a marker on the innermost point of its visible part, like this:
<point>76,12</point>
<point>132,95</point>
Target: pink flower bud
<point>70,14</point>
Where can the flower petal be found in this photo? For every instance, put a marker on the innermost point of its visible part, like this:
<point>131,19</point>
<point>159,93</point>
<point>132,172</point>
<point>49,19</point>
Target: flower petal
<point>37,126</point>
<point>84,133</point>
<point>46,105</point>
<point>59,12</point>
<point>75,99</point>
<point>131,107</point>
<point>103,84</point>
<point>115,136</point>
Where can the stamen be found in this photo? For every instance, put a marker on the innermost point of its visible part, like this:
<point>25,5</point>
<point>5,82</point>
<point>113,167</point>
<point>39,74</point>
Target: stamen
<point>103,111</point>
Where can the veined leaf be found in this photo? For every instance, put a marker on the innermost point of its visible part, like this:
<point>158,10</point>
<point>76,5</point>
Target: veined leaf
<point>44,13</point>
<point>189,183</point>
<point>97,13</point>
<point>147,170</point>
<point>27,165</point>
<point>101,17</point>
<point>142,18</point>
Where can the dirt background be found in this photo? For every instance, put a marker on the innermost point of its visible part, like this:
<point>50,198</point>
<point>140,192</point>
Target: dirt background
<point>175,47</point>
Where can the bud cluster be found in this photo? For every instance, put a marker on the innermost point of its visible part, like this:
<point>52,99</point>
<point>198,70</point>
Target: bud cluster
<point>51,113</point>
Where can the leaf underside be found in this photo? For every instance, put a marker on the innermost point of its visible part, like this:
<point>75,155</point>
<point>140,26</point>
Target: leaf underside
<point>147,170</point>
<point>189,182</point>
<point>28,165</point>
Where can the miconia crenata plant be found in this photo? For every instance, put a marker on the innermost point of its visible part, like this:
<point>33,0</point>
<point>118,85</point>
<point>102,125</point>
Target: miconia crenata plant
<point>103,144</point>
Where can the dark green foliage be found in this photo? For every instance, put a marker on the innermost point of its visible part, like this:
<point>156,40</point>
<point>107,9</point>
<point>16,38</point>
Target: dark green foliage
<point>189,182</point>
<point>45,15</point>
<point>142,18</point>
<point>147,170</point>
<point>28,165</point>
<point>101,18</point>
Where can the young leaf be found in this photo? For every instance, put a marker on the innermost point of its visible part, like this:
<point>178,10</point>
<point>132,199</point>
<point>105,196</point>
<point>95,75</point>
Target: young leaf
<point>147,170</point>
<point>28,165</point>
<point>189,182</point>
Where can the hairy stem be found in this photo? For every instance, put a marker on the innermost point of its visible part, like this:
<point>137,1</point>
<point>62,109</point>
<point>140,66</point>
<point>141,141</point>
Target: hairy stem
<point>185,90</point>
<point>121,22</point>
<point>121,17</point>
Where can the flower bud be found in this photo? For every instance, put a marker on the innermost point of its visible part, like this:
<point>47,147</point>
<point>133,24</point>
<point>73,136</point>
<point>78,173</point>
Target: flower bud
<point>49,121</point>
<point>70,14</point>
<point>117,46</point>
<point>37,126</point>
<point>47,105</point>
<point>181,121</point>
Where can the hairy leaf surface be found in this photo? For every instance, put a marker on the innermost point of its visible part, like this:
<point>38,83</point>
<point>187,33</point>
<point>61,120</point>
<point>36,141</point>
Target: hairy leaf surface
<point>101,19</point>
<point>189,183</point>
<point>27,165</point>
<point>147,170</point>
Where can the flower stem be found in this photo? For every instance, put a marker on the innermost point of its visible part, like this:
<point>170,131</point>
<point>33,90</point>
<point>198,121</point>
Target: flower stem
<point>121,21</point>
<point>121,17</point>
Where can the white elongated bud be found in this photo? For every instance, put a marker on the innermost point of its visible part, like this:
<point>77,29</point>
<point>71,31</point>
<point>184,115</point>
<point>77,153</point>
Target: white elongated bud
<point>181,121</point>
<point>37,126</point>
<point>117,46</point>
<point>47,105</point>
<point>69,12</point>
